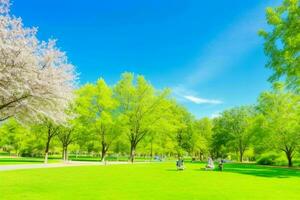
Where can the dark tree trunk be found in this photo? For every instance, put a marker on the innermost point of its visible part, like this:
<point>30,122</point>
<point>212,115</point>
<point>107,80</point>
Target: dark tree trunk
<point>290,162</point>
<point>289,158</point>
<point>51,133</point>
<point>241,156</point>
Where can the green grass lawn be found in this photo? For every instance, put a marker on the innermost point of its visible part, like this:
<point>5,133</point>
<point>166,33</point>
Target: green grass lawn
<point>150,181</point>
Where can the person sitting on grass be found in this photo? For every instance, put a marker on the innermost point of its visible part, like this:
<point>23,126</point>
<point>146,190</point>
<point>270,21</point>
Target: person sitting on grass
<point>179,164</point>
<point>210,165</point>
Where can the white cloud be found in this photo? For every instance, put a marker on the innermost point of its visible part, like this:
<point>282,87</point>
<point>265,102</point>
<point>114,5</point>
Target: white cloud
<point>183,94</point>
<point>199,100</point>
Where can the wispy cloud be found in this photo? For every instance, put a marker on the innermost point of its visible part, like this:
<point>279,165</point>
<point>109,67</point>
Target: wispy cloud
<point>183,94</point>
<point>199,100</point>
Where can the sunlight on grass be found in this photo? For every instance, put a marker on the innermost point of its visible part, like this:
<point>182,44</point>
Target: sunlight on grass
<point>150,181</point>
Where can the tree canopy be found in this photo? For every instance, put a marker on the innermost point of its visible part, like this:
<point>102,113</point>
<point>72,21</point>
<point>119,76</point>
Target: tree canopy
<point>282,42</point>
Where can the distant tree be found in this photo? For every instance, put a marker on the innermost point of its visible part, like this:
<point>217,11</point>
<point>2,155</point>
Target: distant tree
<point>141,107</point>
<point>11,136</point>
<point>233,129</point>
<point>282,42</point>
<point>203,136</point>
<point>35,77</point>
<point>281,111</point>
<point>181,123</point>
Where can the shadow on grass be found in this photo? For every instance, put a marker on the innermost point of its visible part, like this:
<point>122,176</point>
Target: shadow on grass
<point>262,171</point>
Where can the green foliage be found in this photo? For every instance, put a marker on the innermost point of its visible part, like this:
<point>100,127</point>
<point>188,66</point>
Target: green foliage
<point>18,139</point>
<point>97,109</point>
<point>282,42</point>
<point>281,127</point>
<point>268,158</point>
<point>142,108</point>
<point>233,130</point>
<point>202,136</point>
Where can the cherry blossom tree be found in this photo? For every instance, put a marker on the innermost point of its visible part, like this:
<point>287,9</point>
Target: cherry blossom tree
<point>35,76</point>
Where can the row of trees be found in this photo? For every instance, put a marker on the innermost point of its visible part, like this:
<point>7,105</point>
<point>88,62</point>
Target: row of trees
<point>132,115</point>
<point>40,108</point>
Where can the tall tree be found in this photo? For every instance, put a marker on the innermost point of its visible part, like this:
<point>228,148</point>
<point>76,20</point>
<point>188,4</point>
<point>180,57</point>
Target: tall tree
<point>203,136</point>
<point>181,126</point>
<point>97,107</point>
<point>281,111</point>
<point>282,42</point>
<point>233,128</point>
<point>142,107</point>
<point>35,76</point>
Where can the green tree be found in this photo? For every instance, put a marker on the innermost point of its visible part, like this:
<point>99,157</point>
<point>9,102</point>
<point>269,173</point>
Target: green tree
<point>66,135</point>
<point>181,124</point>
<point>234,129</point>
<point>97,109</point>
<point>203,136</point>
<point>141,107</point>
<point>281,111</point>
<point>282,42</point>
<point>12,135</point>
<point>49,130</point>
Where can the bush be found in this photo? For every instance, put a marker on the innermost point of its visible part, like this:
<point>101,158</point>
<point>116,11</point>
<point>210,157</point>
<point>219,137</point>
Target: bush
<point>267,159</point>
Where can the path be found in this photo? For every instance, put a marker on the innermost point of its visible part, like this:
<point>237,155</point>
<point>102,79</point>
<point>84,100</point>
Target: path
<point>56,165</point>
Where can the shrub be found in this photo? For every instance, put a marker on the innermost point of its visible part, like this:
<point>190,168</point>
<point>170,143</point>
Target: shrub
<point>267,159</point>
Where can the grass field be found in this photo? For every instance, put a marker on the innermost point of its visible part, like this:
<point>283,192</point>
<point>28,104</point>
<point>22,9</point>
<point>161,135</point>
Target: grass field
<point>150,181</point>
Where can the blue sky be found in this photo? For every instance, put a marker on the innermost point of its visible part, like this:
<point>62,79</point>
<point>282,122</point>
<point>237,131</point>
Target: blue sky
<point>207,52</point>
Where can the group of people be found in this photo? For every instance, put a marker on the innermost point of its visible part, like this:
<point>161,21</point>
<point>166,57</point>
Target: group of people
<point>210,164</point>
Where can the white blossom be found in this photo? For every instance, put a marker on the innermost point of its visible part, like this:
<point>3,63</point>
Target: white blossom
<point>35,77</point>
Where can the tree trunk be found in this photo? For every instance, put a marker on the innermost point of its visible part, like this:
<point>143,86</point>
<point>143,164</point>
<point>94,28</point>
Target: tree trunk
<point>103,152</point>
<point>65,153</point>
<point>241,156</point>
<point>290,158</point>
<point>132,152</point>
<point>46,158</point>
<point>47,151</point>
